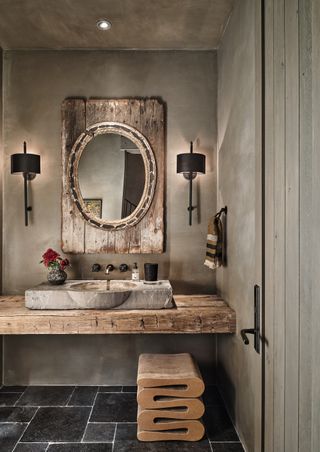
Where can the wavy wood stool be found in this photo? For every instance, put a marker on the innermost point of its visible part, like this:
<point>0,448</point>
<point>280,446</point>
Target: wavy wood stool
<point>188,430</point>
<point>150,419</point>
<point>169,387</point>
<point>150,399</point>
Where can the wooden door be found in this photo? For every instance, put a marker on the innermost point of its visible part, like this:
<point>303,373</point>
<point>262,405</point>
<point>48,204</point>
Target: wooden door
<point>292,250</point>
<point>240,189</point>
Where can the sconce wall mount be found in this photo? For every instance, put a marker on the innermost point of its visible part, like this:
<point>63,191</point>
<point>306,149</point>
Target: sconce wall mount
<point>190,164</point>
<point>29,166</point>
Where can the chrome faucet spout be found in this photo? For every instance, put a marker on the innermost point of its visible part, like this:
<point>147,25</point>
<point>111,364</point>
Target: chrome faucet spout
<point>109,268</point>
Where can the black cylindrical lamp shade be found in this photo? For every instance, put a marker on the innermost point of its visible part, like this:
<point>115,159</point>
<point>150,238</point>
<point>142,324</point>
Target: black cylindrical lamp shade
<point>191,163</point>
<point>25,163</point>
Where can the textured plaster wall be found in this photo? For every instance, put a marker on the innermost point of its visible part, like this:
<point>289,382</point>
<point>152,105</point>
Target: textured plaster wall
<point>236,189</point>
<point>35,84</point>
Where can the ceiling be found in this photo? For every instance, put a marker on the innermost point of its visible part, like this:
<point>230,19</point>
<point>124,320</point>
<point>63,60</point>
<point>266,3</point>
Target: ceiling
<point>136,24</point>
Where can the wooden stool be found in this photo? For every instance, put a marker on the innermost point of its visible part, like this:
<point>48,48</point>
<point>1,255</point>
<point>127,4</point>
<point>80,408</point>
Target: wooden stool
<point>169,387</point>
<point>181,431</point>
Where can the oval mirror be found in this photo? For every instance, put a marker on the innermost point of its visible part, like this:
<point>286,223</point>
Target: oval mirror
<point>112,175</point>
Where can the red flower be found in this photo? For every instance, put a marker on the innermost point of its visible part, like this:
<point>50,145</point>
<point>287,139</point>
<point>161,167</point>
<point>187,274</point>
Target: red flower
<point>53,260</point>
<point>64,263</point>
<point>50,256</point>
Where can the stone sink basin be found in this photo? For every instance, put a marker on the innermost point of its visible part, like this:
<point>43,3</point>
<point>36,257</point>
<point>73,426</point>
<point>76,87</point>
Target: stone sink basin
<point>101,294</point>
<point>104,286</point>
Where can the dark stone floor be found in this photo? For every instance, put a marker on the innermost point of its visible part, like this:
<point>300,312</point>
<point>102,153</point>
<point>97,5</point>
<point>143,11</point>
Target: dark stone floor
<point>96,419</point>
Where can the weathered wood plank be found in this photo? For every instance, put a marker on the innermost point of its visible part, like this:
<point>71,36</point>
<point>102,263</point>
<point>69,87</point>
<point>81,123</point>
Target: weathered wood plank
<point>152,225</point>
<point>314,222</point>
<point>15,318</point>
<point>292,298</point>
<point>257,369</point>
<point>306,243</point>
<point>279,222</point>
<point>269,180</point>
<point>72,228</point>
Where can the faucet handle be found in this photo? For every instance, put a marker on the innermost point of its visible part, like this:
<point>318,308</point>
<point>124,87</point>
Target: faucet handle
<point>123,268</point>
<point>96,268</point>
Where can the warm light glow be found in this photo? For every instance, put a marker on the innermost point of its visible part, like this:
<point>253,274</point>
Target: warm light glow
<point>103,24</point>
<point>189,175</point>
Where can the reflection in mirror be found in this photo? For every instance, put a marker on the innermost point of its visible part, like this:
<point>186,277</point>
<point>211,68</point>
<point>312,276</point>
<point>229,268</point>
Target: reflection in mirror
<point>111,176</point>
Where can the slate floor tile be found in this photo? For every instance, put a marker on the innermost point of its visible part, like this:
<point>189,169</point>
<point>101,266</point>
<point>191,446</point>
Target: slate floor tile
<point>126,431</point>
<point>126,440</point>
<point>99,432</point>
<point>179,446</point>
<point>9,435</point>
<point>12,389</point>
<point>64,427</point>
<point>218,424</point>
<point>53,424</point>
<point>212,396</point>
<point>110,388</point>
<point>9,398</point>
<point>106,447</point>
<point>227,447</point>
<point>31,447</point>
<point>16,414</point>
<point>45,396</point>
<point>129,389</point>
<point>83,396</point>
<point>115,407</point>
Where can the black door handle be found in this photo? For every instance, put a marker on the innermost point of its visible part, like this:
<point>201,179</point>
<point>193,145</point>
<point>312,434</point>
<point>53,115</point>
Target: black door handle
<point>244,334</point>
<point>256,330</point>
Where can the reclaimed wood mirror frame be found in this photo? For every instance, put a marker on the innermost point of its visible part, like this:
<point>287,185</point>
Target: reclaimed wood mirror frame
<point>140,120</point>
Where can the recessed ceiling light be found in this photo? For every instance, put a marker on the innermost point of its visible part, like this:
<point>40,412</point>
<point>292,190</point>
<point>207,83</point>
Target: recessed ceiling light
<point>103,24</point>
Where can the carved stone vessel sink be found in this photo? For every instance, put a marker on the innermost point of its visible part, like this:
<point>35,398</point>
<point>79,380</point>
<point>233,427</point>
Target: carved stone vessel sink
<point>104,286</point>
<point>101,294</point>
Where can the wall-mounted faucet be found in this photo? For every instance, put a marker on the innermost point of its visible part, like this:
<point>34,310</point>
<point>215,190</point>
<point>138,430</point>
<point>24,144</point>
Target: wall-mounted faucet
<point>109,268</point>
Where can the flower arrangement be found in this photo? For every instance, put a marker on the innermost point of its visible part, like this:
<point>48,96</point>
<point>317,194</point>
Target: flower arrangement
<point>53,261</point>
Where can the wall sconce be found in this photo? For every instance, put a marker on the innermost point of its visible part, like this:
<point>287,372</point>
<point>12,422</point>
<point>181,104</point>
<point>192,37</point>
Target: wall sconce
<point>190,164</point>
<point>29,166</point>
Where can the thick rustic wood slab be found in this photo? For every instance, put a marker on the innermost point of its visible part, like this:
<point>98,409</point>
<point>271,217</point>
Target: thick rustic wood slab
<point>187,430</point>
<point>191,318</point>
<point>157,370</point>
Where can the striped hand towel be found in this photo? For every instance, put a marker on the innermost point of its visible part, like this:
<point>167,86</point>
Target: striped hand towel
<point>214,243</point>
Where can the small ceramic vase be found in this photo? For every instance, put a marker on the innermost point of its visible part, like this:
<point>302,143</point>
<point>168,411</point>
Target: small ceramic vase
<point>56,277</point>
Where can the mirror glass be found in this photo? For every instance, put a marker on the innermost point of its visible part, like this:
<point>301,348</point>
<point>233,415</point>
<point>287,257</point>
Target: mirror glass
<point>111,176</point>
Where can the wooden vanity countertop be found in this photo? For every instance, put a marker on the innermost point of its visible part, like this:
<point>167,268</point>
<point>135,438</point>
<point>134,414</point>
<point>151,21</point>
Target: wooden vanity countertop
<point>193,314</point>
